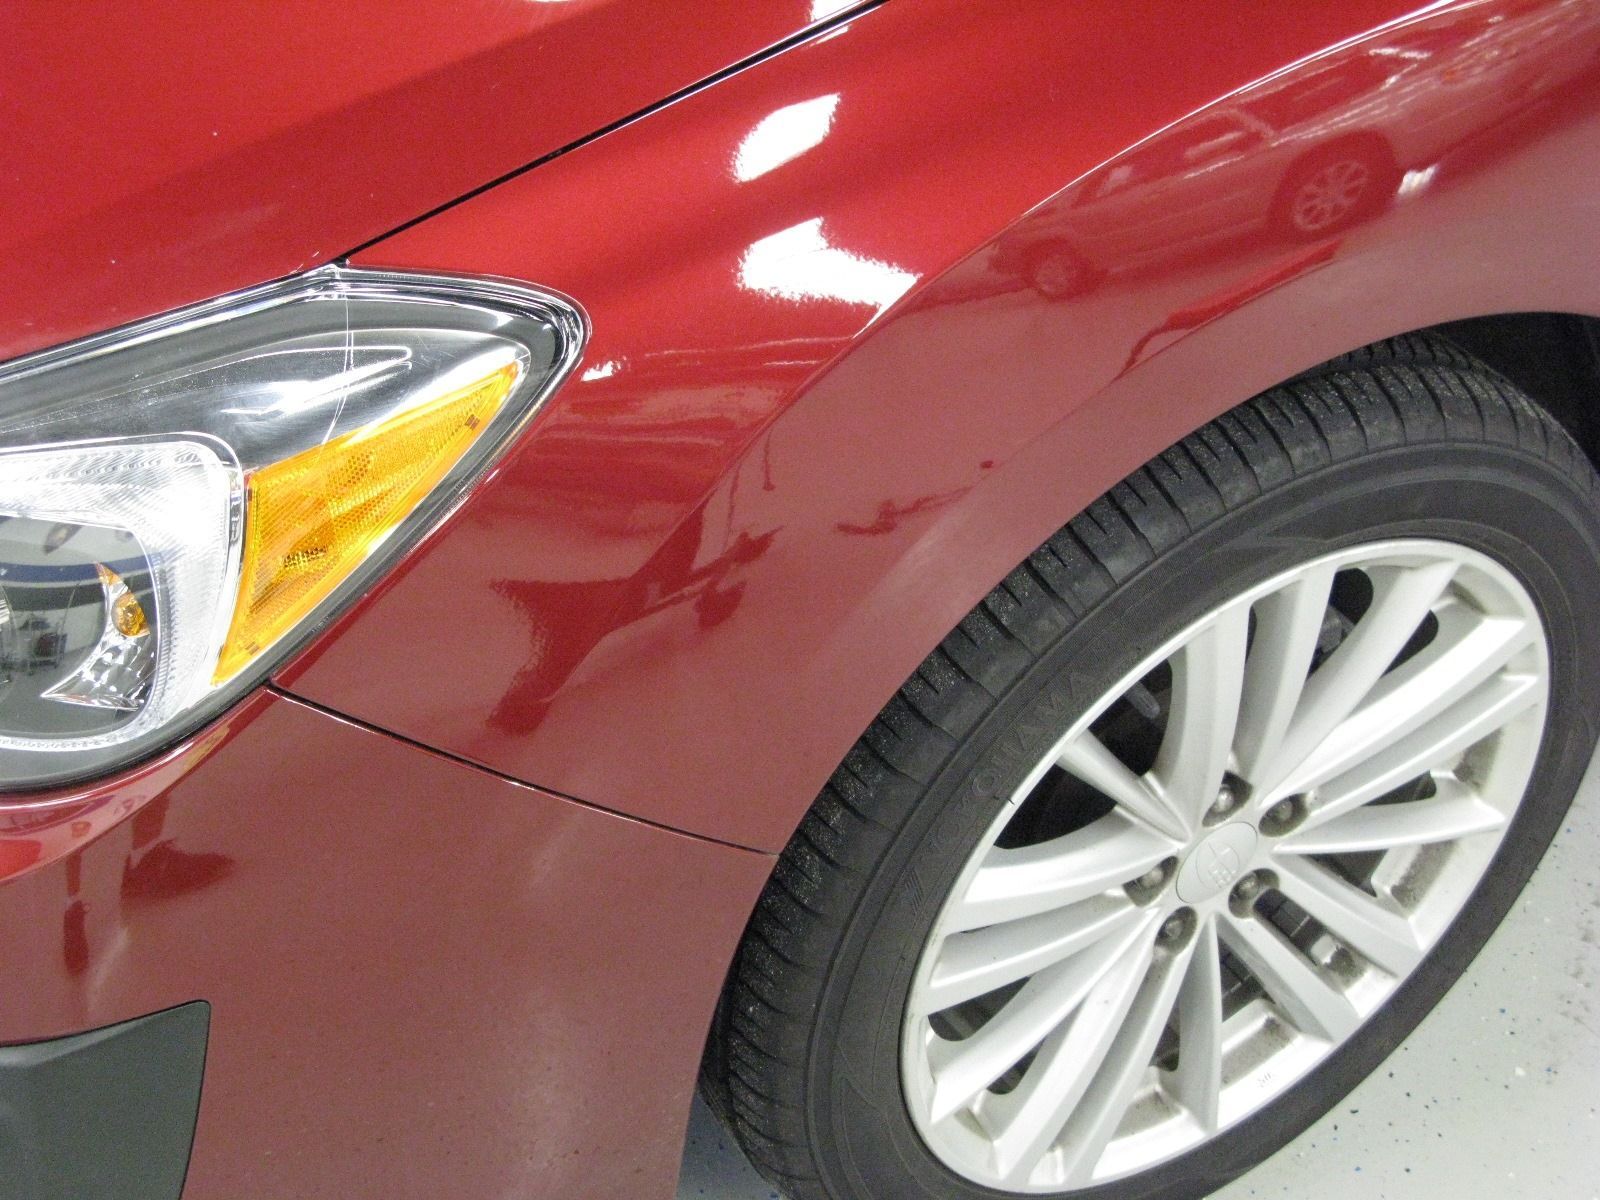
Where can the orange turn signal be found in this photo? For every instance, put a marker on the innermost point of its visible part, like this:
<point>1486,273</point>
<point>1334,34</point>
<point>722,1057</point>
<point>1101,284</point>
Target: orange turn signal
<point>314,517</point>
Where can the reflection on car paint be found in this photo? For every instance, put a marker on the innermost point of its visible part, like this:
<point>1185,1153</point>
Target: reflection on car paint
<point>1308,153</point>
<point>799,264</point>
<point>783,136</point>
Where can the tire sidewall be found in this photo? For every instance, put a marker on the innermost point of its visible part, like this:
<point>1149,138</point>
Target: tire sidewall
<point>1510,505</point>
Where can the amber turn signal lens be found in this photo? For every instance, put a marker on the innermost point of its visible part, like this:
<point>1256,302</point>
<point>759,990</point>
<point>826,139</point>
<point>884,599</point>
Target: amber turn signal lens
<point>127,614</point>
<point>311,519</point>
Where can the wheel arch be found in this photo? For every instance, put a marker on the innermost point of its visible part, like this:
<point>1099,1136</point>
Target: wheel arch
<point>1369,139</point>
<point>943,550</point>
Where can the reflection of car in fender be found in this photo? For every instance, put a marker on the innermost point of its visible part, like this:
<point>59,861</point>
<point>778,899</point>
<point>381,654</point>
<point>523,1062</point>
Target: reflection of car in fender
<point>1325,190</point>
<point>1328,149</point>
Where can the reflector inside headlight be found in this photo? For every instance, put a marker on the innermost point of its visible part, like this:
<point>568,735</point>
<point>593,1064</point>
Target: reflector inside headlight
<point>180,500</point>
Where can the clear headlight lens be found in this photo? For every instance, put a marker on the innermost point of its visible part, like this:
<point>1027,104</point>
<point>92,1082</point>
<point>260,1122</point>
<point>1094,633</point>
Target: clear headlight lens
<point>181,501</point>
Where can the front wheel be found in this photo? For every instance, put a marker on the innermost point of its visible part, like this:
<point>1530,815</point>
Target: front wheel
<point>1195,816</point>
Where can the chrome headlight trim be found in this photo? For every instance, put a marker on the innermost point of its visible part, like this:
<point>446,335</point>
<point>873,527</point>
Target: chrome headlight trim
<point>29,426</point>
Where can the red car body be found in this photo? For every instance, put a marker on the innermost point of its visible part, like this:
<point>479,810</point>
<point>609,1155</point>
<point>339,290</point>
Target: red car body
<point>462,884</point>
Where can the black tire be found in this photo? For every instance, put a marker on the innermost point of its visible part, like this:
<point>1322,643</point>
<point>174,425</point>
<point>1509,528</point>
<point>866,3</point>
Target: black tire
<point>1408,438</point>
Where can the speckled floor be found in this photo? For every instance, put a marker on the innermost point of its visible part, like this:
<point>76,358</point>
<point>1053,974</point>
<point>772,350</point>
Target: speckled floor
<point>1497,1094</point>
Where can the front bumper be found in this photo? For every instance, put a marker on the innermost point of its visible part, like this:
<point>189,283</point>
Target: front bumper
<point>424,979</point>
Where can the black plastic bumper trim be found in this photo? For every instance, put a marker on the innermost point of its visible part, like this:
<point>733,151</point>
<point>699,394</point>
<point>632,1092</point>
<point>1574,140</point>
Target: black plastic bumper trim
<point>107,1115</point>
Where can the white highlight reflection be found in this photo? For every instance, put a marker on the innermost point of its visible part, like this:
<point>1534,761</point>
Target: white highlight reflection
<point>783,136</point>
<point>1417,180</point>
<point>799,264</point>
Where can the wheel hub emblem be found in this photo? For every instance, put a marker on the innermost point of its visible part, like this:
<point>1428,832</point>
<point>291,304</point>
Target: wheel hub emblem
<point>1212,866</point>
<point>1219,864</point>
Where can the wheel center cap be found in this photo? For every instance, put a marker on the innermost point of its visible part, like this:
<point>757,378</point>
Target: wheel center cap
<point>1212,866</point>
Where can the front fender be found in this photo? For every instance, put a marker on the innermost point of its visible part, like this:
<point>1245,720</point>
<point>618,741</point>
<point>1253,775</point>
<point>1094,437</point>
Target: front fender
<point>820,416</point>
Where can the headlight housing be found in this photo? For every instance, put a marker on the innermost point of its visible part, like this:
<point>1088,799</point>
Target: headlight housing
<point>184,500</point>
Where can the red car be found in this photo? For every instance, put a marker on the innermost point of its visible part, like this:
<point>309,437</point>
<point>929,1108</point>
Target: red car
<point>1001,588</point>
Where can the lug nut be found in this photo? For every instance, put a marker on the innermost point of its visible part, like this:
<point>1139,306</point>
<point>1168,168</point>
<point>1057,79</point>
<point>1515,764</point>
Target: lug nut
<point>1176,927</point>
<point>1284,816</point>
<point>1223,804</point>
<point>1247,889</point>
<point>1153,880</point>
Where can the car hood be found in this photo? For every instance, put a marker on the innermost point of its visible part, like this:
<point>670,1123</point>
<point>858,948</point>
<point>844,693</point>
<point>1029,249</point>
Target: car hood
<point>159,154</point>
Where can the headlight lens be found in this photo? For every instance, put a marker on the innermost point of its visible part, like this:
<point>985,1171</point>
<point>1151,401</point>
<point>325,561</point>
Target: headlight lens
<point>181,501</point>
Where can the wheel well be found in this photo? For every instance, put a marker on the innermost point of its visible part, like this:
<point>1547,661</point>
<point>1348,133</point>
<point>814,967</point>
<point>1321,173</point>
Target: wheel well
<point>1375,142</point>
<point>1554,357</point>
<point>1367,138</point>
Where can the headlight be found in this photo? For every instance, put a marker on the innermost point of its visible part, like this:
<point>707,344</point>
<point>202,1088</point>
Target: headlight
<point>182,501</point>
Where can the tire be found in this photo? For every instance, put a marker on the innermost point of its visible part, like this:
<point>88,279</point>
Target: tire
<point>1409,439</point>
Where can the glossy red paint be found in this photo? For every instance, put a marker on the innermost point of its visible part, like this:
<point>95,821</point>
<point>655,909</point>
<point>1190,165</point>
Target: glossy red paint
<point>42,829</point>
<point>871,319</point>
<point>162,154</point>
<point>874,318</point>
<point>425,981</point>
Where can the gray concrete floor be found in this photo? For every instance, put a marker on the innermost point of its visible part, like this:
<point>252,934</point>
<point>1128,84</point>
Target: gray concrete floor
<point>1497,1093</point>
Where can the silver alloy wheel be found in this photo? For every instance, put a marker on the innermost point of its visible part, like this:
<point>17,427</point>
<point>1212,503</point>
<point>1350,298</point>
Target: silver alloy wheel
<point>1268,824</point>
<point>1330,195</point>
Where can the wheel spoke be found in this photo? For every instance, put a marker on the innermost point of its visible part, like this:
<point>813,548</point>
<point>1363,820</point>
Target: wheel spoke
<point>965,1068</point>
<point>1288,624</point>
<point>1432,746</point>
<point>976,962</point>
<point>1207,676</point>
<point>1094,1121</point>
<point>1468,650</point>
<point>1088,758</point>
<point>1196,1083</point>
<point>1310,1001</point>
<point>1017,883</point>
<point>1033,1115</point>
<point>1377,932</point>
<point>1455,811</point>
<point>1402,597</point>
